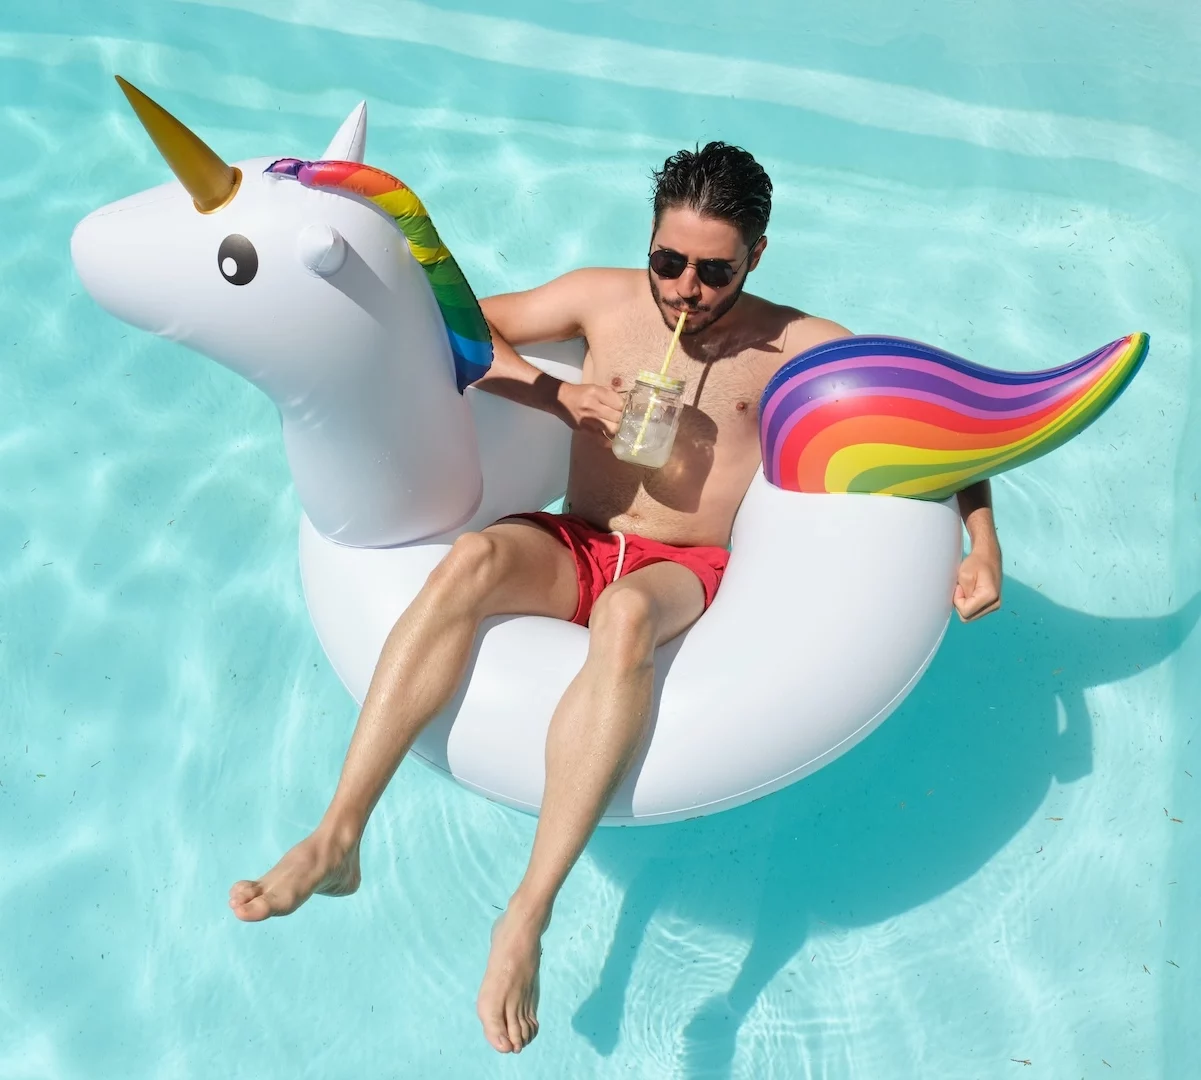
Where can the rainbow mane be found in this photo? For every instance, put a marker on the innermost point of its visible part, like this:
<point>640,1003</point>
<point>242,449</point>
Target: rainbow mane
<point>888,416</point>
<point>470,338</point>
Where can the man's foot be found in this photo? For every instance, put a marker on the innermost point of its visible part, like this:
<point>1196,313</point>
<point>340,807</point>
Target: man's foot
<point>322,863</point>
<point>508,999</point>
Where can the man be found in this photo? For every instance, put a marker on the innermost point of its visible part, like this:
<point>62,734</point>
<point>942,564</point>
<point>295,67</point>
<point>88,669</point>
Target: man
<point>637,560</point>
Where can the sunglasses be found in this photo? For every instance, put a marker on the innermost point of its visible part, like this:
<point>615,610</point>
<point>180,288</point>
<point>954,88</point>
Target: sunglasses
<point>716,273</point>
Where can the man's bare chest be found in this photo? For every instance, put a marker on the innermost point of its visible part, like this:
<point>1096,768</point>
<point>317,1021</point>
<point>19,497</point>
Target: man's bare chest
<point>726,388</point>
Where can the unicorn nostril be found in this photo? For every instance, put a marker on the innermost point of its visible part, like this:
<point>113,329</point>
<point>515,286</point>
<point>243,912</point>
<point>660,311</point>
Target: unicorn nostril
<point>237,259</point>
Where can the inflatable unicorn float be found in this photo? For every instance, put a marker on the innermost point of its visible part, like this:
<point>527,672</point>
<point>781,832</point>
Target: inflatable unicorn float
<point>326,285</point>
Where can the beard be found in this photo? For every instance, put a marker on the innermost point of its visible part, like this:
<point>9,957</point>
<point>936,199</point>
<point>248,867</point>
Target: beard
<point>713,313</point>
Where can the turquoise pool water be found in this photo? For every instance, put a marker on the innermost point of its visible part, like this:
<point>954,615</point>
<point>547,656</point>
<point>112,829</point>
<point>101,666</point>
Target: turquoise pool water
<point>994,878</point>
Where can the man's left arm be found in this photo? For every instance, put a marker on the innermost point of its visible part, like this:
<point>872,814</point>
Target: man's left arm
<point>978,590</point>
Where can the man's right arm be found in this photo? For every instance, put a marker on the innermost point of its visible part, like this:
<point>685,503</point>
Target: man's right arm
<point>555,311</point>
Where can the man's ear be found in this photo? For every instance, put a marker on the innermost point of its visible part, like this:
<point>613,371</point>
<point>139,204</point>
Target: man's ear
<point>757,253</point>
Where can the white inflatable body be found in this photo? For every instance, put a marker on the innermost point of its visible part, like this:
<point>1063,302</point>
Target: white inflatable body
<point>831,608</point>
<point>830,611</point>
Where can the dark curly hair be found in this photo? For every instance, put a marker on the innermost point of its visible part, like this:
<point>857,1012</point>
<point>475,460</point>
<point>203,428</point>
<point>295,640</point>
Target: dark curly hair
<point>718,181</point>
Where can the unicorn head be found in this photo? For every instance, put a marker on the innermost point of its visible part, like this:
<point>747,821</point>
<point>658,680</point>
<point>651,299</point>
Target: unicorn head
<point>312,291</point>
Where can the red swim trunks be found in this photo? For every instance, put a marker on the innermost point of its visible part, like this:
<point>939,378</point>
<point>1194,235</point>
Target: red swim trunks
<point>602,557</point>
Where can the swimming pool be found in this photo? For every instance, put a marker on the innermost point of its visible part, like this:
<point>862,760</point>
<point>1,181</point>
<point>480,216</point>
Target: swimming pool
<point>994,877</point>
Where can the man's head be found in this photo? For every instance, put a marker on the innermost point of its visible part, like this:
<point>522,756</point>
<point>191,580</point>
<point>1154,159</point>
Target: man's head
<point>711,211</point>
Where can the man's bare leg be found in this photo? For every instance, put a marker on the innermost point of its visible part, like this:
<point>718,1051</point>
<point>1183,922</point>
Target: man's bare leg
<point>511,568</point>
<point>594,736</point>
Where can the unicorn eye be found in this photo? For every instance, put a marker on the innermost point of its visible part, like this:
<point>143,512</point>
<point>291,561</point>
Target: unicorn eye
<point>237,259</point>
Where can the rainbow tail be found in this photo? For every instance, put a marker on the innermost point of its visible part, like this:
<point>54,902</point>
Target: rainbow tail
<point>888,416</point>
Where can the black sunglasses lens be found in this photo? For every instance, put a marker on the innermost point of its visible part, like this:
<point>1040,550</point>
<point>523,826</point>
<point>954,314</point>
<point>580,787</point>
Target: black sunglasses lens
<point>667,264</point>
<point>716,274</point>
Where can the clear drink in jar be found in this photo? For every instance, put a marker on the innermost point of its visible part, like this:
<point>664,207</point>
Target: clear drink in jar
<point>649,420</point>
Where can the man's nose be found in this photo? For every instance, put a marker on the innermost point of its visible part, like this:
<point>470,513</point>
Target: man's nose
<point>688,285</point>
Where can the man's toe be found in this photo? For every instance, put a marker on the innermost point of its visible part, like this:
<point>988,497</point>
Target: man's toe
<point>243,891</point>
<point>254,909</point>
<point>513,1025</point>
<point>494,1031</point>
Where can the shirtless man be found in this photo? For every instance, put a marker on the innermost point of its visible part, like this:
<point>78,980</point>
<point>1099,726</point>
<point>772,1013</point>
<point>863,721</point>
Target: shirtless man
<point>711,209</point>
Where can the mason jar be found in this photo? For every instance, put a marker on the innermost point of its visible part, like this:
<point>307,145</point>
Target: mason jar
<point>649,420</point>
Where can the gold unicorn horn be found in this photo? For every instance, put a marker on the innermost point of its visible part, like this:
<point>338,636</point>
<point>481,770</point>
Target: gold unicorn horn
<point>207,178</point>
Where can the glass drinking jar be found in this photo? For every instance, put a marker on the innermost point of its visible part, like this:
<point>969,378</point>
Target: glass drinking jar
<point>649,420</point>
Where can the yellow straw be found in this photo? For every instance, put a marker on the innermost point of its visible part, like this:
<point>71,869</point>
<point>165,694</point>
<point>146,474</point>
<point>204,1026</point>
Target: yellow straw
<point>675,340</point>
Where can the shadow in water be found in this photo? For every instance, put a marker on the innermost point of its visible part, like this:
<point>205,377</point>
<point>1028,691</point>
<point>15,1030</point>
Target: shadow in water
<point>999,718</point>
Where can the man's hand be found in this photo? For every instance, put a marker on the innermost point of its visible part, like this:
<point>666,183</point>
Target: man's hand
<point>590,407</point>
<point>978,591</point>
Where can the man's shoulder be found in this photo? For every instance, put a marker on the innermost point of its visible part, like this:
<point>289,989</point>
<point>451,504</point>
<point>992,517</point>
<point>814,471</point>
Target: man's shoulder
<point>804,331</point>
<point>792,331</point>
<point>609,278</point>
<point>593,290</point>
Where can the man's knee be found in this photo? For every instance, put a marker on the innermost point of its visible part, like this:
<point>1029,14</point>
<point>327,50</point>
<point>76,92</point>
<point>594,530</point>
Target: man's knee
<point>623,626</point>
<point>471,569</point>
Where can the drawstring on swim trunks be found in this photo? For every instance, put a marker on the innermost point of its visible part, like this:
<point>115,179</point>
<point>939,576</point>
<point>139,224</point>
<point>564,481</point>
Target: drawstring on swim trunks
<point>621,552</point>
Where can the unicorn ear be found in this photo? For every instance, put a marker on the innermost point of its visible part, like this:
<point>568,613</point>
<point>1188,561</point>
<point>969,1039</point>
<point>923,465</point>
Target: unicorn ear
<point>351,139</point>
